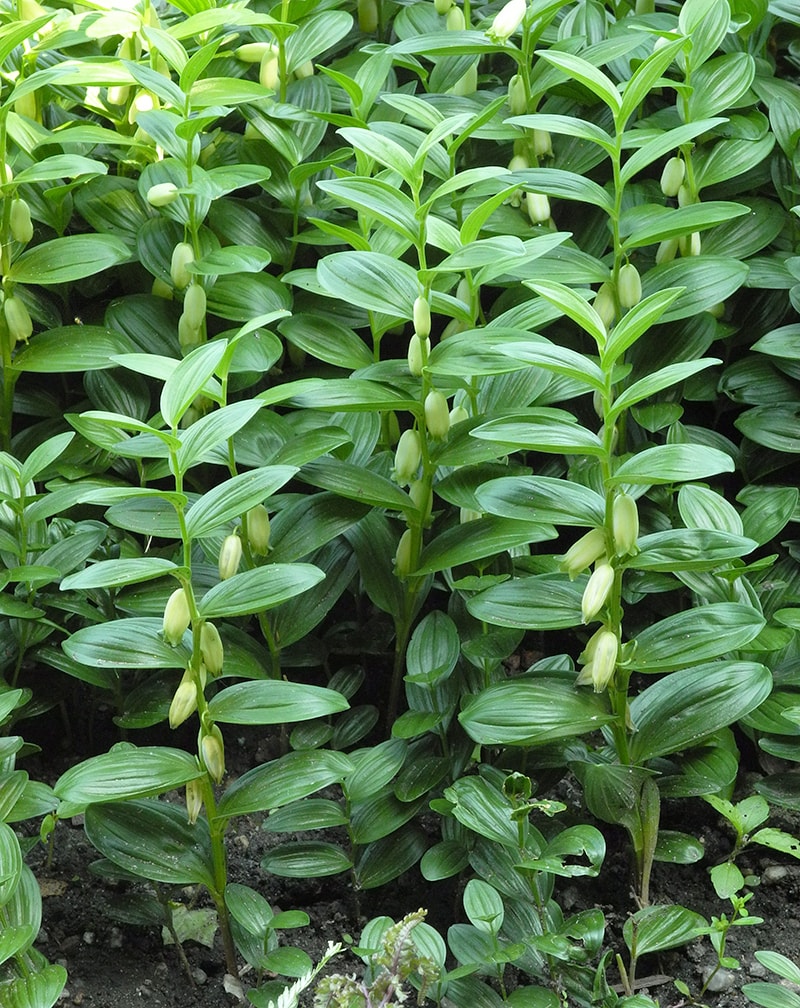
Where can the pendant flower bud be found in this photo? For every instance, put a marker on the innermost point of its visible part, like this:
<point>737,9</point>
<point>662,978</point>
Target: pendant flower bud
<point>422,317</point>
<point>507,20</point>
<point>437,415</point>
<point>176,617</point>
<point>604,304</point>
<point>304,70</point>
<point>468,84</point>
<point>418,350</point>
<point>194,305</point>
<point>442,6</point>
<point>672,176</point>
<point>583,553</point>
<point>690,245</point>
<point>407,457</point>
<point>212,751</point>
<point>402,557</point>
<point>542,143</point>
<point>18,320</point>
<point>194,801</point>
<point>258,529</point>
<point>458,415</point>
<point>230,556</point>
<point>538,207</point>
<point>20,221</point>
<point>182,256</point>
<point>629,286</point>
<point>162,194</point>
<point>367,16</point>
<point>517,98</point>
<point>211,649</point>
<point>252,52</point>
<point>604,661</point>
<point>160,288</point>
<point>420,494</point>
<point>455,19</point>
<point>666,251</point>
<point>269,74</point>
<point>597,590</point>
<point>685,196</point>
<point>184,700</point>
<point>625,520</point>
<point>189,336</point>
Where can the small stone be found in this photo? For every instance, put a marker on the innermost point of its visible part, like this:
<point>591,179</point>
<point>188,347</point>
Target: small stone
<point>88,937</point>
<point>199,976</point>
<point>774,873</point>
<point>722,980</point>
<point>115,938</point>
<point>756,969</point>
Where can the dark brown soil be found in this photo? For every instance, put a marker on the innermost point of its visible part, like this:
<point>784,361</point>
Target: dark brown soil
<point>113,964</point>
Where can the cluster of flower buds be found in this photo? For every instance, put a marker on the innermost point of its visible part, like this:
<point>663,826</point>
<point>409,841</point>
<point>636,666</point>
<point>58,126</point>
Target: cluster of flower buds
<point>599,660</point>
<point>230,556</point>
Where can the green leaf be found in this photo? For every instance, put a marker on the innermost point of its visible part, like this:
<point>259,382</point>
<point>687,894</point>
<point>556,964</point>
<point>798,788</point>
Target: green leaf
<point>377,199</point>
<point>433,650</point>
<point>370,280</point>
<point>563,185</point>
<point>11,860</point>
<point>780,964</point>
<point>689,549</point>
<point>574,306</point>
<point>674,463</point>
<point>233,497</point>
<point>542,499</point>
<point>356,483</point>
<point>306,859</point>
<point>542,430</point>
<point>579,69</point>
<point>665,143</point>
<point>770,995</point>
<point>153,840</point>
<point>70,258</point>
<point>39,989</point>
<point>116,573</point>
<point>283,781</point>
<point>257,590</point>
<point>695,636</point>
<point>661,927</point>
<point>71,348</point>
<point>720,83</point>
<point>271,701</point>
<point>126,772</point>
<point>126,643</point>
<point>529,712</point>
<point>385,859</point>
<point>326,339</point>
<point>483,906</point>
<point>650,223</point>
<point>478,540</point>
<point>681,709</point>
<point>540,602</point>
<point>188,379</point>
<point>656,382</point>
<point>706,280</point>
<point>231,259</point>
<point>208,433</point>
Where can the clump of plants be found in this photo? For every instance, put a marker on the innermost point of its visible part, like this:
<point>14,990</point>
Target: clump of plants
<point>350,352</point>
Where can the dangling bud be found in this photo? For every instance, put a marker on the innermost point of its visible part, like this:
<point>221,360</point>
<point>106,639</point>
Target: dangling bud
<point>418,350</point>
<point>507,21</point>
<point>182,256</point>
<point>685,197</point>
<point>597,590</point>
<point>212,751</point>
<point>304,70</point>
<point>468,84</point>
<point>666,251</point>
<point>407,457</point>
<point>604,304</point>
<point>162,194</point>
<point>466,515</point>
<point>458,415</point>
<point>690,245</point>
<point>252,52</point>
<point>542,143</point>
<point>194,305</point>
<point>517,99</point>
<point>269,69</point>
<point>455,19</point>
<point>184,701</point>
<point>625,519</point>
<point>442,6</point>
<point>583,553</point>
<point>20,221</point>
<point>422,317</point>
<point>194,801</point>
<point>538,207</point>
<point>518,163</point>
<point>672,176</point>
<point>604,661</point>
<point>402,558</point>
<point>367,16</point>
<point>420,494</point>
<point>629,286</point>
<point>437,415</point>
<point>189,336</point>
<point>176,617</point>
<point>18,320</point>
<point>211,649</point>
<point>258,529</point>
<point>160,288</point>
<point>230,556</point>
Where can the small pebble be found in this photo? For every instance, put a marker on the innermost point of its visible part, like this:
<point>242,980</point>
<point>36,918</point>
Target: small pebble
<point>720,981</point>
<point>199,976</point>
<point>88,937</point>
<point>756,969</point>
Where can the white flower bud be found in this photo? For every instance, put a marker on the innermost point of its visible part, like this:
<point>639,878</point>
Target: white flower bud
<point>408,456</point>
<point>672,176</point>
<point>604,660</point>
<point>184,700</point>
<point>182,257</point>
<point>625,518</point>
<point>194,305</point>
<point>666,251</point>
<point>597,590</point>
<point>176,617</point>
<point>583,553</point>
<point>422,317</point>
<point>538,207</point>
<point>629,286</point>
<point>507,20</point>
<point>437,415</point>
<point>230,556</point>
